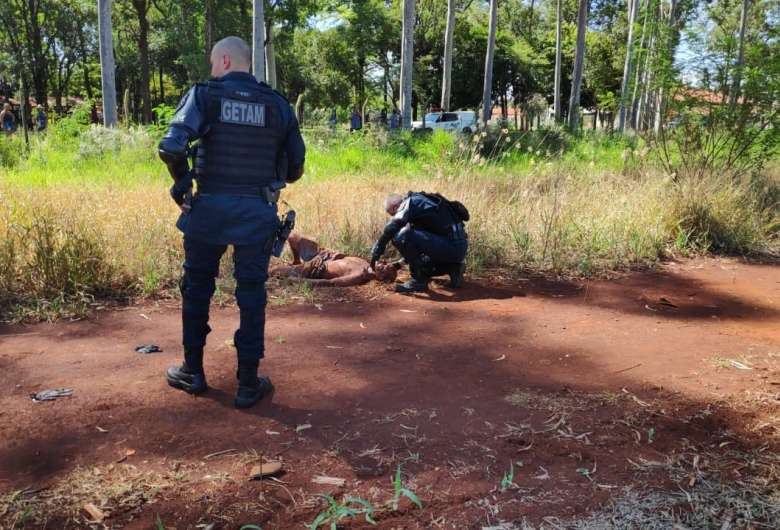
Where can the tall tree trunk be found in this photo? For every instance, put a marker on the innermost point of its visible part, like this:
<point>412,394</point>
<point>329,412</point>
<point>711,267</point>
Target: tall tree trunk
<point>650,85</point>
<point>24,109</point>
<point>209,29</point>
<point>407,57</point>
<point>647,76</point>
<point>386,68</point>
<point>162,84</point>
<point>32,18</point>
<point>448,36</point>
<point>633,5</point>
<point>258,40</point>
<point>579,60</point>
<point>638,77</point>
<point>87,82</point>
<point>270,55</point>
<point>558,46</point>
<point>487,87</point>
<point>644,98</point>
<point>142,9</point>
<point>84,55</point>
<point>735,89</point>
<point>107,67</point>
<point>58,89</point>
<point>670,45</point>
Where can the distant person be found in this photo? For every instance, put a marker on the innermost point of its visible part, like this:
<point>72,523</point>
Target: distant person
<point>395,120</point>
<point>41,121</point>
<point>7,119</point>
<point>427,229</point>
<point>332,120</point>
<point>355,121</point>
<point>250,145</point>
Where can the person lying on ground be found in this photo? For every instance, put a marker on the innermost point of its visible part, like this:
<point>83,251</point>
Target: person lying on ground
<point>322,267</point>
<point>427,229</point>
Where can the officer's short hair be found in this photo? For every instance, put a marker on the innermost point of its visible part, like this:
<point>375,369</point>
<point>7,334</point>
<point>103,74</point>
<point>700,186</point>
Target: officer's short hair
<point>391,200</point>
<point>236,47</point>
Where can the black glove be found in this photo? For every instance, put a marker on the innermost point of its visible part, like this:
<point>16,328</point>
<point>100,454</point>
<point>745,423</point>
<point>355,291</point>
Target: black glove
<point>376,253</point>
<point>180,189</point>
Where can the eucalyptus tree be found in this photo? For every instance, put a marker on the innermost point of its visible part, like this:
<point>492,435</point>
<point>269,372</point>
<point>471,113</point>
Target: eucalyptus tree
<point>258,40</point>
<point>558,53</point>
<point>632,9</point>
<point>446,85</point>
<point>740,54</point>
<point>407,58</point>
<point>487,88</point>
<point>579,60</point>
<point>107,66</point>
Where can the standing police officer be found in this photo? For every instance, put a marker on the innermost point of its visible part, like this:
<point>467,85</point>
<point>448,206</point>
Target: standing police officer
<point>250,145</point>
<point>427,229</point>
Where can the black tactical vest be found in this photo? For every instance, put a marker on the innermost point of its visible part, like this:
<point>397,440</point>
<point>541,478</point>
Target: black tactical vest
<point>246,128</point>
<point>433,215</point>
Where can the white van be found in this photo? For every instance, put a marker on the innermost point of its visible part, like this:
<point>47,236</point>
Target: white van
<point>460,120</point>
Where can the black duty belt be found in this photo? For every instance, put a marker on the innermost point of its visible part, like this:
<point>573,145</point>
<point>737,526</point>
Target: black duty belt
<point>250,190</point>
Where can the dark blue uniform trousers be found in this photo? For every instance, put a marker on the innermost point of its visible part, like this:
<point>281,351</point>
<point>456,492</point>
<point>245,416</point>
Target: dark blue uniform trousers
<point>201,267</point>
<point>441,250</point>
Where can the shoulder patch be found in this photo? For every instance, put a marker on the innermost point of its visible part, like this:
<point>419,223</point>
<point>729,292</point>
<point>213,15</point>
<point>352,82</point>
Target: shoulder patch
<point>242,112</point>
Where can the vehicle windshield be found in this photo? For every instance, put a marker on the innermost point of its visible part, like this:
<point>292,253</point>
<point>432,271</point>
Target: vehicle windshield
<point>432,116</point>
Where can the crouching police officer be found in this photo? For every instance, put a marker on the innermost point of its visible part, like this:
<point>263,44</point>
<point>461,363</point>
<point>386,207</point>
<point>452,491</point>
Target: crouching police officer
<point>427,229</point>
<point>249,146</point>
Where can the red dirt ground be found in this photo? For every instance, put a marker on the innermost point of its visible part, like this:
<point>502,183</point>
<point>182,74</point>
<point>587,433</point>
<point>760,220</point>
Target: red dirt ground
<point>599,373</point>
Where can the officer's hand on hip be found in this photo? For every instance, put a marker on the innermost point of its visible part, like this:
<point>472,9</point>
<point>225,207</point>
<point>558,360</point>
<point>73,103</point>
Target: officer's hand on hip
<point>181,195</point>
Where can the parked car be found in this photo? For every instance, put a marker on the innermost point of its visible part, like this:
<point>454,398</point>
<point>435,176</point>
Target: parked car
<point>461,121</point>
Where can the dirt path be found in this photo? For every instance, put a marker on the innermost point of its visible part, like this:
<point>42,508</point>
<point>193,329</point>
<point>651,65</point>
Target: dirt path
<point>569,392</point>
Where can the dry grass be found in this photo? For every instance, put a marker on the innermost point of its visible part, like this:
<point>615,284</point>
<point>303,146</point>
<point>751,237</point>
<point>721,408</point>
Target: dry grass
<point>76,228</point>
<point>117,490</point>
<point>728,491</point>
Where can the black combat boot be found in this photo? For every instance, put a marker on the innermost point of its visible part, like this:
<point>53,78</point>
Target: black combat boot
<point>456,275</point>
<point>421,269</point>
<point>412,286</point>
<point>251,388</point>
<point>189,377</point>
